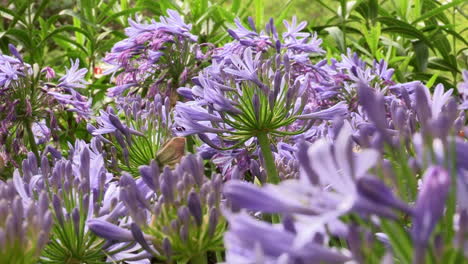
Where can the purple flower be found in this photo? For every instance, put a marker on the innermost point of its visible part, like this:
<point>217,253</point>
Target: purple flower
<point>24,225</point>
<point>293,30</point>
<point>8,73</point>
<point>245,68</point>
<point>429,208</point>
<point>109,231</point>
<point>41,132</point>
<point>463,90</point>
<point>74,77</point>
<point>248,196</point>
<point>79,187</point>
<point>174,23</point>
<point>118,90</point>
<point>338,110</point>
<point>248,239</point>
<point>182,200</point>
<point>49,73</point>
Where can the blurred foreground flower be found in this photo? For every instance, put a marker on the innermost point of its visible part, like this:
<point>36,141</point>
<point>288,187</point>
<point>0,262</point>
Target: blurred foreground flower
<point>24,226</point>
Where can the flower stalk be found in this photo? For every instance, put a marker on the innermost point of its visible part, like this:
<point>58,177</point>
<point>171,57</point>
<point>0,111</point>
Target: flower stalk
<point>32,140</point>
<point>199,259</point>
<point>268,158</point>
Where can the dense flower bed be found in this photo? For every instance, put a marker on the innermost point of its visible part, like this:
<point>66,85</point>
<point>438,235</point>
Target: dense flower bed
<point>261,150</point>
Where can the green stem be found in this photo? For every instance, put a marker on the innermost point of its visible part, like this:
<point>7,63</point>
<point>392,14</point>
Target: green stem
<point>199,259</point>
<point>268,157</point>
<point>219,257</point>
<point>190,144</point>
<point>32,141</point>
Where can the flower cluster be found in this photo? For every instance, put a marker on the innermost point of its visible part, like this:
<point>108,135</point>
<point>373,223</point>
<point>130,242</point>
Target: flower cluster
<point>24,226</point>
<point>176,213</point>
<point>248,92</point>
<point>79,189</point>
<point>31,104</point>
<point>156,57</point>
<point>145,134</point>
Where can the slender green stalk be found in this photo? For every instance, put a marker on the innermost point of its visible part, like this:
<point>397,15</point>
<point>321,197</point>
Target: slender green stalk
<point>32,141</point>
<point>219,257</point>
<point>200,259</point>
<point>268,157</point>
<point>190,144</point>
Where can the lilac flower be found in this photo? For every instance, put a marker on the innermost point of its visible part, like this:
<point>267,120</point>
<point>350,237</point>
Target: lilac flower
<point>169,208</point>
<point>248,196</point>
<point>110,231</point>
<point>338,110</point>
<point>41,132</point>
<point>118,90</point>
<point>139,132</point>
<point>174,23</point>
<point>74,77</point>
<point>341,185</point>
<point>78,187</point>
<point>49,73</point>
<point>140,62</point>
<point>293,30</point>
<point>24,227</point>
<point>8,74</point>
<point>463,90</point>
<point>29,102</point>
<point>429,208</point>
<point>241,31</point>
<point>80,105</point>
<point>248,239</point>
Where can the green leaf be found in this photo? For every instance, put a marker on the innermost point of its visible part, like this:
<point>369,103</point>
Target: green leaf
<point>284,11</point>
<point>372,38</point>
<point>12,15</point>
<point>421,55</point>
<point>259,12</point>
<point>40,9</point>
<point>400,27</point>
<point>399,239</point>
<point>235,5</point>
<point>74,43</point>
<point>69,28</point>
<point>432,80</point>
<point>20,36</point>
<point>441,64</point>
<point>438,10</point>
<point>127,12</point>
<point>373,10</point>
<point>337,35</point>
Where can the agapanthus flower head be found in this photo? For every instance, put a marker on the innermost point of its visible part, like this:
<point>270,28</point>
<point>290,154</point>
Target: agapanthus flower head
<point>139,132</point>
<point>30,97</point>
<point>24,225</point>
<point>250,96</point>
<point>79,188</point>
<point>176,213</point>
<point>299,45</point>
<point>155,58</point>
